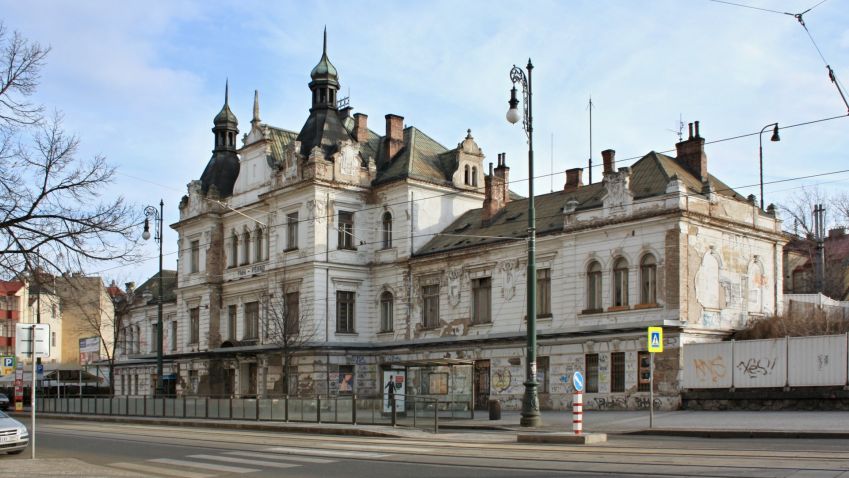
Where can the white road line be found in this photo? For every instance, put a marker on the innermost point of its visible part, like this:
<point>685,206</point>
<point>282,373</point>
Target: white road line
<point>402,449</point>
<point>276,456</point>
<point>245,461</point>
<point>148,469</point>
<point>338,453</point>
<point>205,466</point>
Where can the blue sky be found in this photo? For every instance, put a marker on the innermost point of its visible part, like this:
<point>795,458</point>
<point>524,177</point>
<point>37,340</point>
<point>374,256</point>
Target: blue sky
<point>140,82</point>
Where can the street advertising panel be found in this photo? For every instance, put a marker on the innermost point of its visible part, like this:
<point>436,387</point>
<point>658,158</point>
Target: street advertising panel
<point>394,382</point>
<point>89,350</point>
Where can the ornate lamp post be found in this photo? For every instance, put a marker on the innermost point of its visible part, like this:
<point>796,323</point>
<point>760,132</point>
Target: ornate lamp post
<point>775,138</point>
<point>530,402</point>
<point>151,212</point>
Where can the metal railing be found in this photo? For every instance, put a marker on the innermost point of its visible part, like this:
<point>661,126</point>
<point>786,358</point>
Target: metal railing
<point>414,411</point>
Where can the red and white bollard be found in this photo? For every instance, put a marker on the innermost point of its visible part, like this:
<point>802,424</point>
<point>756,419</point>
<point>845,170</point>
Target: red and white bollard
<point>577,412</point>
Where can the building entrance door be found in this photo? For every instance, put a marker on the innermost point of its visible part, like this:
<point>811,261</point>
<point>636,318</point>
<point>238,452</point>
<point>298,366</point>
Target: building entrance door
<point>481,384</point>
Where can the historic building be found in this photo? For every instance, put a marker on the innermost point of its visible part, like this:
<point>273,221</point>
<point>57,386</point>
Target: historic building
<point>317,261</point>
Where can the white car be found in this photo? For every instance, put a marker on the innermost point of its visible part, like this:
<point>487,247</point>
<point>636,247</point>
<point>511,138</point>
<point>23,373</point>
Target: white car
<point>14,436</point>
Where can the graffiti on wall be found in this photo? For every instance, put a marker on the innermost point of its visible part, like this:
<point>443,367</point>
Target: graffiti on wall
<point>710,369</point>
<point>757,367</point>
<point>502,379</point>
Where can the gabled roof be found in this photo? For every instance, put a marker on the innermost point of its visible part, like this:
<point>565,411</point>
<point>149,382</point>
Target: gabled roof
<point>649,177</point>
<point>10,287</point>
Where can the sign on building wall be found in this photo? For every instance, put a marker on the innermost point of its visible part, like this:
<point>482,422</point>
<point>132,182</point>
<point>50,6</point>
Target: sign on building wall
<point>89,350</point>
<point>7,367</point>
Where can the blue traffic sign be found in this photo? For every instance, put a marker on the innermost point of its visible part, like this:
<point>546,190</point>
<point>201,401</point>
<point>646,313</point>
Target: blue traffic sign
<point>8,361</point>
<point>578,381</point>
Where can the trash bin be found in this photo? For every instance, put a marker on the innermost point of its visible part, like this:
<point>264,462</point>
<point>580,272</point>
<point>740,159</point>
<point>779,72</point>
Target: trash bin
<point>494,410</point>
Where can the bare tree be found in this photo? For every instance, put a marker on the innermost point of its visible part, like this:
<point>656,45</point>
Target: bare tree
<point>287,326</point>
<point>799,207</point>
<point>51,213</point>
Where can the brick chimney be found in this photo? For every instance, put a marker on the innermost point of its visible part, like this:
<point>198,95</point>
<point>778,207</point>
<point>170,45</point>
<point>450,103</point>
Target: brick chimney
<point>493,195</point>
<point>573,179</point>
<point>691,154</point>
<point>503,172</point>
<point>360,127</point>
<point>394,135</point>
<point>608,158</point>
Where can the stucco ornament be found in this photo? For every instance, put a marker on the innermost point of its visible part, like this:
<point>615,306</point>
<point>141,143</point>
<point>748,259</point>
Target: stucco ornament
<point>349,161</point>
<point>509,270</point>
<point>316,210</point>
<point>454,276</point>
<point>290,162</point>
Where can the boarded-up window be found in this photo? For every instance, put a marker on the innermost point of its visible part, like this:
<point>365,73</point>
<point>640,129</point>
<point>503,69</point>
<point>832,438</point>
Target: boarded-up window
<point>617,372</point>
<point>591,368</point>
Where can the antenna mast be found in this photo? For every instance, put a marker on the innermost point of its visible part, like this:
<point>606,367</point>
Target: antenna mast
<point>590,107</point>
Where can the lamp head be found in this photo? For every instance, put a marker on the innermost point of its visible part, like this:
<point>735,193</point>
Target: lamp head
<point>775,136</point>
<point>146,233</point>
<point>513,115</point>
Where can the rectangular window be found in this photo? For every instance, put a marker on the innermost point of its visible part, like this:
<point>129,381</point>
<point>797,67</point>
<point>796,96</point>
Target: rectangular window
<point>591,368</point>
<point>617,372</point>
<point>194,380</point>
<point>291,231</point>
<point>386,312</point>
<point>481,300</point>
<point>173,335</point>
<point>430,308</point>
<point>544,293</point>
<point>542,374</point>
<point>594,290</point>
<point>346,230</point>
<point>194,261</point>
<point>251,320</point>
<point>643,371</point>
<point>346,379</point>
<point>231,321</point>
<point>194,325</point>
<point>293,313</point>
<point>344,312</point>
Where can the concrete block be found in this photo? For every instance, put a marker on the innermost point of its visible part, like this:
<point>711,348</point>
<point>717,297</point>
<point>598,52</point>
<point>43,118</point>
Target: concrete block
<point>561,437</point>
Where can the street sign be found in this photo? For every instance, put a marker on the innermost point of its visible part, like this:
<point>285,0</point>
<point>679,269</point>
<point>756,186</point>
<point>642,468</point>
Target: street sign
<point>8,365</point>
<point>39,371</point>
<point>578,381</point>
<point>655,339</point>
<point>24,343</point>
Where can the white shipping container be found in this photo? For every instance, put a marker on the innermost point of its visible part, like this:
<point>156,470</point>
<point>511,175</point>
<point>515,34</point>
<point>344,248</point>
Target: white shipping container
<point>760,363</point>
<point>708,365</point>
<point>817,361</point>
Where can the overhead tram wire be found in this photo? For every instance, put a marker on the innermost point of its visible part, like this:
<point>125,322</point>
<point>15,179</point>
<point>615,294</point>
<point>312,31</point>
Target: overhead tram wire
<point>798,16</point>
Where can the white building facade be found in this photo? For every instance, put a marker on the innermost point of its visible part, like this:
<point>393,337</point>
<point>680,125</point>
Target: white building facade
<point>313,262</point>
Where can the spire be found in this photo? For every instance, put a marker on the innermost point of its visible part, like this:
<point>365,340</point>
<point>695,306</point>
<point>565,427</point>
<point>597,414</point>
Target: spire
<point>325,80</point>
<point>227,92</point>
<point>256,119</point>
<point>324,50</point>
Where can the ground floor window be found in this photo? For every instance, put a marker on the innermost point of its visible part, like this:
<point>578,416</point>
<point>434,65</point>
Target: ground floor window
<point>617,372</point>
<point>591,368</point>
<point>643,371</point>
<point>542,374</point>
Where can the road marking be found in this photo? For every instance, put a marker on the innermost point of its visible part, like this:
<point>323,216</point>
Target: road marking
<point>403,449</point>
<point>277,456</point>
<point>205,466</point>
<point>147,469</point>
<point>339,453</point>
<point>232,459</point>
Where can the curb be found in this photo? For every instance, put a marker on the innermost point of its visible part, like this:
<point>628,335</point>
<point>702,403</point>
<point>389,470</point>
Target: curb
<point>705,433</point>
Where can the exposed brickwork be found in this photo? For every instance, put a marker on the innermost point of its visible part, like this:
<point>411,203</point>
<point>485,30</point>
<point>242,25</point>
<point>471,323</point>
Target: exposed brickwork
<point>608,157</point>
<point>691,154</point>
<point>394,140</point>
<point>573,179</point>
<point>494,188</point>
<point>673,266</point>
<point>360,127</point>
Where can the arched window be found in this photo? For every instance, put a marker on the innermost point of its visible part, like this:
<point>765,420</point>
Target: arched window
<point>620,283</point>
<point>594,286</point>
<point>648,280</point>
<point>234,249</point>
<point>387,230</point>
<point>258,249</point>
<point>386,308</point>
<point>474,176</point>
<point>466,179</point>
<point>246,247</point>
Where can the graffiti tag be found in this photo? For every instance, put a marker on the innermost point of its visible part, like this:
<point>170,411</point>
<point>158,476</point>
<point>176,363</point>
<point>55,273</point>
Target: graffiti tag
<point>757,367</point>
<point>713,368</point>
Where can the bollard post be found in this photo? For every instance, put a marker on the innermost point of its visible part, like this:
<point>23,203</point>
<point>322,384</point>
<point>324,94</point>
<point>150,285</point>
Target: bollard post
<point>577,412</point>
<point>354,409</point>
<point>394,410</point>
<point>318,408</point>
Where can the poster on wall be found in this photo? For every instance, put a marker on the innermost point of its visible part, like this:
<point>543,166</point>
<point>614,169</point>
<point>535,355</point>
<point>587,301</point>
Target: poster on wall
<point>394,380</point>
<point>89,350</point>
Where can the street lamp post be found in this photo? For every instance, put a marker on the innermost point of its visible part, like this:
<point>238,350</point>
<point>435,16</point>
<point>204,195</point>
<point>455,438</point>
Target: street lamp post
<point>775,138</point>
<point>151,212</point>
<point>530,401</point>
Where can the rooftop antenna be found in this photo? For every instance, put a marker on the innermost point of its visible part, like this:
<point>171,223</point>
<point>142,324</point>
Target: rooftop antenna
<point>590,107</point>
<point>680,130</point>
<point>552,162</point>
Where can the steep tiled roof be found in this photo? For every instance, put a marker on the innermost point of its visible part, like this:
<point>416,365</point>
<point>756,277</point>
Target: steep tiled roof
<point>10,286</point>
<point>169,287</point>
<point>279,139</point>
<point>420,158</point>
<point>649,177</point>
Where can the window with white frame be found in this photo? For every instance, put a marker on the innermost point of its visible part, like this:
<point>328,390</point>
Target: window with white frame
<point>386,311</point>
<point>481,300</point>
<point>620,282</point>
<point>292,231</point>
<point>387,229</point>
<point>594,286</point>
<point>346,230</point>
<point>648,280</point>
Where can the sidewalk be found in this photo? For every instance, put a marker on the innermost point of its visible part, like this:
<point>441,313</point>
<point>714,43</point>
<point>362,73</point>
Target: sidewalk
<point>741,424</point>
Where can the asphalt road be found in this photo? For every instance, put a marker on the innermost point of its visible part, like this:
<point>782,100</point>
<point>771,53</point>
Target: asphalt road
<point>152,450</point>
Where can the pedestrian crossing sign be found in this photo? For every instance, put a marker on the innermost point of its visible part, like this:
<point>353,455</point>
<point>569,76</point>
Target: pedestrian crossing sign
<point>655,339</point>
